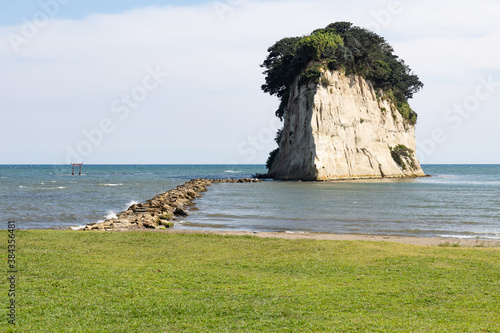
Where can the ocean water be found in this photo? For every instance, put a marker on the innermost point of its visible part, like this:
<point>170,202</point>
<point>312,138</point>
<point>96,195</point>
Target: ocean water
<point>460,201</point>
<point>47,196</point>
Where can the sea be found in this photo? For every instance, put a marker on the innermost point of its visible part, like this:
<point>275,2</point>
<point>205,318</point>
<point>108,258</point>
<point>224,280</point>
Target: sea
<point>457,201</point>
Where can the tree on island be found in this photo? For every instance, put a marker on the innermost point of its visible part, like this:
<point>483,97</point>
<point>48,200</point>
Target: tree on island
<point>342,47</point>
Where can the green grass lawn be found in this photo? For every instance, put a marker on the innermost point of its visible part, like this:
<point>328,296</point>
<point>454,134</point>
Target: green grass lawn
<point>156,282</point>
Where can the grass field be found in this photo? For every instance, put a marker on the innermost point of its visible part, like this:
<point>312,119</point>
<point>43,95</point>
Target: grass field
<point>156,282</point>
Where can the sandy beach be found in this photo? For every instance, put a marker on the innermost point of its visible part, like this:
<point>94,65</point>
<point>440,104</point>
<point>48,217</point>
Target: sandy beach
<point>347,237</point>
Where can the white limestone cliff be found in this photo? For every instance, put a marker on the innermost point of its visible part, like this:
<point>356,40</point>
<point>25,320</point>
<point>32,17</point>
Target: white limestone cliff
<point>342,131</point>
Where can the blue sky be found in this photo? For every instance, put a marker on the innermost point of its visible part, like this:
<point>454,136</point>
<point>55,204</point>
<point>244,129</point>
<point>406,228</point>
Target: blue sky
<point>179,81</point>
<point>13,12</point>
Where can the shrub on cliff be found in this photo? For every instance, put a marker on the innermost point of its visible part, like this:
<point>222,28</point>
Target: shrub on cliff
<point>403,155</point>
<point>312,74</point>
<point>271,158</point>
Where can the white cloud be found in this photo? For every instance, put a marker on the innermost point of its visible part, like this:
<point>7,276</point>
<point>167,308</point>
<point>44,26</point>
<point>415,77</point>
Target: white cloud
<point>64,81</point>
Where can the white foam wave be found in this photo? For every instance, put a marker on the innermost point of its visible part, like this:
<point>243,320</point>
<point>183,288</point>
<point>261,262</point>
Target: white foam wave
<point>42,188</point>
<point>133,202</point>
<point>231,171</point>
<point>78,227</point>
<point>470,237</point>
<point>110,216</point>
<point>457,236</point>
<point>111,184</point>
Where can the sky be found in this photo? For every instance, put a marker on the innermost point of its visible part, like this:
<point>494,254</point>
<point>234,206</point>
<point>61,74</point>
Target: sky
<point>178,82</point>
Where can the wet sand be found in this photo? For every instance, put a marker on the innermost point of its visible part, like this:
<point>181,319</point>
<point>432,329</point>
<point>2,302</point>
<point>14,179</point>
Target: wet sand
<point>346,237</point>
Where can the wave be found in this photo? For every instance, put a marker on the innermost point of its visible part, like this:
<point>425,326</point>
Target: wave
<point>479,236</point>
<point>78,227</point>
<point>130,173</point>
<point>231,171</point>
<point>42,188</point>
<point>110,184</point>
<point>110,216</point>
<point>133,202</point>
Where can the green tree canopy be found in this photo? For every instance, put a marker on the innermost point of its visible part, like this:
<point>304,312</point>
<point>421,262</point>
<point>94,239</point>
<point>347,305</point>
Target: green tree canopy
<point>340,46</point>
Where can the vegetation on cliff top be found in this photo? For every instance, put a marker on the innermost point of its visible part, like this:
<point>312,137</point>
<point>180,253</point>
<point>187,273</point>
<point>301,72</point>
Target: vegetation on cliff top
<point>340,46</point>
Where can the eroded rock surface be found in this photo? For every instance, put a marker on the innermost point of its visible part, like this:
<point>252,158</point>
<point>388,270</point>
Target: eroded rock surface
<point>343,130</point>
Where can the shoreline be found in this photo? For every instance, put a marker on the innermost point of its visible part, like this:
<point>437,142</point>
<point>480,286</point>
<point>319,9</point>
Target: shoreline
<point>421,241</point>
<point>294,235</point>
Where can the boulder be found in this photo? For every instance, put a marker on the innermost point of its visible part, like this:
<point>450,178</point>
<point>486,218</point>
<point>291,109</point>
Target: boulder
<point>180,212</point>
<point>149,225</point>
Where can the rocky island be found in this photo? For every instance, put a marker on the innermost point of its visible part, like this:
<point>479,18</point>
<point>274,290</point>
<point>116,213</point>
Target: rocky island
<point>344,105</point>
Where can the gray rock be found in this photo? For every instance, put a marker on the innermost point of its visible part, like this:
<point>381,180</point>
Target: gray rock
<point>180,212</point>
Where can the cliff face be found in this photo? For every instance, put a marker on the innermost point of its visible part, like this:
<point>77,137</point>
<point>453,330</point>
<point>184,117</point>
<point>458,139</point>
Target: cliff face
<point>342,131</point>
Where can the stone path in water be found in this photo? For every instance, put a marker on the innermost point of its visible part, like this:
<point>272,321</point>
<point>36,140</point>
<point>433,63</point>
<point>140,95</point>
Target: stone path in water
<point>160,211</point>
